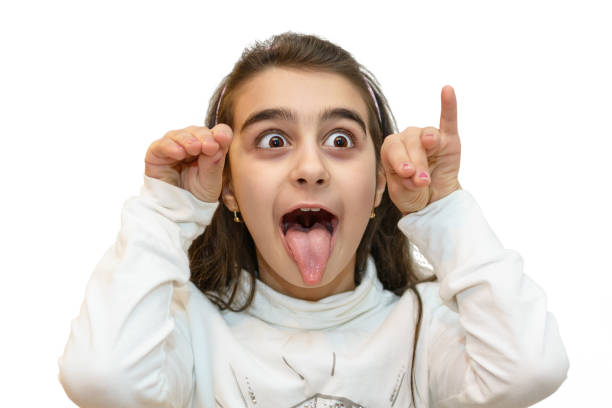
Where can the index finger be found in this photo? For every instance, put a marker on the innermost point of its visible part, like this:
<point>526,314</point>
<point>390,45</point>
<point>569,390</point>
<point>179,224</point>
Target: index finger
<point>448,115</point>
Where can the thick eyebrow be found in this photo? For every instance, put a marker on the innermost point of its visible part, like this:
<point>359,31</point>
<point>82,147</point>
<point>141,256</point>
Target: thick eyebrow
<point>289,115</point>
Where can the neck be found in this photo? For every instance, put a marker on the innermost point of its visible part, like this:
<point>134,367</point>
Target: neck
<point>343,282</point>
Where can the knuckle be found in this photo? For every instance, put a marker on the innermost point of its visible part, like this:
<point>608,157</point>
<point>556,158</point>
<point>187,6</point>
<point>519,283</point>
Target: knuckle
<point>390,155</point>
<point>176,135</point>
<point>410,130</point>
<point>169,134</point>
<point>384,148</point>
<point>175,138</point>
<point>165,141</point>
<point>389,139</point>
<point>202,132</point>
<point>150,151</point>
<point>390,143</point>
<point>410,135</point>
<point>186,137</point>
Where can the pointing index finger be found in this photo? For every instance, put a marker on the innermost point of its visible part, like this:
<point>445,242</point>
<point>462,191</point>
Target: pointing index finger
<point>448,115</point>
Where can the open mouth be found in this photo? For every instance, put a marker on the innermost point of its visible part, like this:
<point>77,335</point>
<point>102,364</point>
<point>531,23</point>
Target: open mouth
<point>308,234</point>
<point>305,218</point>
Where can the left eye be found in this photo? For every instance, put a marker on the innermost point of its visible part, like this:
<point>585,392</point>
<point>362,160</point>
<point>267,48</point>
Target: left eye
<point>339,140</point>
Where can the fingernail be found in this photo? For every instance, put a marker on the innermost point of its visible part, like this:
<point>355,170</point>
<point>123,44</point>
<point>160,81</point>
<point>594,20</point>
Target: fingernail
<point>423,175</point>
<point>406,165</point>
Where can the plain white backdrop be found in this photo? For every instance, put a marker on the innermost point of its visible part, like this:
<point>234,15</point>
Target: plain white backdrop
<point>85,87</point>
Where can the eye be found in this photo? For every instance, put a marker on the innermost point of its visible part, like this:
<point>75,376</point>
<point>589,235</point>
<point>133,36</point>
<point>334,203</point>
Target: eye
<point>339,139</point>
<point>271,141</point>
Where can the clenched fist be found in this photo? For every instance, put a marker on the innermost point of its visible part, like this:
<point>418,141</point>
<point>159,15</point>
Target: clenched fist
<point>191,158</point>
<point>422,164</point>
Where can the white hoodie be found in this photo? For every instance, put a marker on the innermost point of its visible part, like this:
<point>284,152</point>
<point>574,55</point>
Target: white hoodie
<point>148,337</point>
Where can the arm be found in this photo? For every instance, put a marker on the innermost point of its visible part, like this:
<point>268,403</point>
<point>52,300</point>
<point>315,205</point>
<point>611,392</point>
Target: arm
<point>130,346</point>
<point>493,344</point>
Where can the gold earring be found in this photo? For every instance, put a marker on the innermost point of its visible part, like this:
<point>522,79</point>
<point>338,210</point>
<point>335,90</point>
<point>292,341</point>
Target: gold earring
<point>236,218</point>
<point>372,215</point>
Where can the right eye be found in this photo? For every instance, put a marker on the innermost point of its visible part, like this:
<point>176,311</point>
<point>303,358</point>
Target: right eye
<point>271,141</point>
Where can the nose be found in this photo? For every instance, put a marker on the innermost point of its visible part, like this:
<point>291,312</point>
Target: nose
<point>310,168</point>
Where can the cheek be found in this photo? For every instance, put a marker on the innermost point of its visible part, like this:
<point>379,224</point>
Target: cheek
<point>255,189</point>
<point>247,189</point>
<point>359,183</point>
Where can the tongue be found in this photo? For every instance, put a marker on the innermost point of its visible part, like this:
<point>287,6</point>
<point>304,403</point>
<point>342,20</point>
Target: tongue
<point>310,249</point>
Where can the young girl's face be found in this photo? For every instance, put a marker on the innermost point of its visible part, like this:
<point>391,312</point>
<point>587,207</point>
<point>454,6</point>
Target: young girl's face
<point>295,157</point>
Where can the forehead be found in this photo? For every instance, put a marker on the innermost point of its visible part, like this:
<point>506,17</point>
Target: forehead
<point>305,92</point>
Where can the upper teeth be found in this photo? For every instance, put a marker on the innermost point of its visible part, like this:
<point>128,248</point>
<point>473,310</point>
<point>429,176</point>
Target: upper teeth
<point>309,209</point>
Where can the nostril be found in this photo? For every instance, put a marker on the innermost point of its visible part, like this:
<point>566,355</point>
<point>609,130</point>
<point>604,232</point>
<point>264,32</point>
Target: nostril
<point>302,180</point>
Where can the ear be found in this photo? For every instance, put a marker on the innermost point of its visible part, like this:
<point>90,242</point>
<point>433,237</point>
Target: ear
<point>381,184</point>
<point>228,196</point>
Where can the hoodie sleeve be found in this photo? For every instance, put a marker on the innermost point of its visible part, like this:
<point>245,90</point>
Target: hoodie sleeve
<point>130,345</point>
<point>490,340</point>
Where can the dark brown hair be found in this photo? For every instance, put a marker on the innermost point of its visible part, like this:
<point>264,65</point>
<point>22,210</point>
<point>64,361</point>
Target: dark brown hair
<point>225,248</point>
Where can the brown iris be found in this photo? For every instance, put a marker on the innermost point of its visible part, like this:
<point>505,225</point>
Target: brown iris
<point>340,141</point>
<point>276,141</point>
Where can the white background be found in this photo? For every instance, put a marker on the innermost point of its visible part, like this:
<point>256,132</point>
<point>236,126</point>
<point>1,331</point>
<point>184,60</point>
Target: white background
<point>86,87</point>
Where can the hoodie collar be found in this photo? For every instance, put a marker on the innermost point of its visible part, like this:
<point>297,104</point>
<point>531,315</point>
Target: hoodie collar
<point>336,310</point>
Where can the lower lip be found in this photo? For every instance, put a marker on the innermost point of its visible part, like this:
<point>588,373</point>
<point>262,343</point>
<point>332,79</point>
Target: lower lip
<point>335,224</point>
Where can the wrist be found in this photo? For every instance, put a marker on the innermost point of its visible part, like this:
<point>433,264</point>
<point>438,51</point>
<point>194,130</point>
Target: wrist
<point>176,203</point>
<point>433,195</point>
<point>438,195</point>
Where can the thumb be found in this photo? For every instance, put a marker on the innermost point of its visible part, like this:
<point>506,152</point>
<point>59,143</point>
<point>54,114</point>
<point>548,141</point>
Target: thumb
<point>223,135</point>
<point>206,173</point>
<point>215,148</point>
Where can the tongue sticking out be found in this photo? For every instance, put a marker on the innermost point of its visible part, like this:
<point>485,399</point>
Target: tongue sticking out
<point>310,248</point>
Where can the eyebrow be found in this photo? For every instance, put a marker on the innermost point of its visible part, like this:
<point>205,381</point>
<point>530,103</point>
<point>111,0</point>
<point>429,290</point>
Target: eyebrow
<point>289,115</point>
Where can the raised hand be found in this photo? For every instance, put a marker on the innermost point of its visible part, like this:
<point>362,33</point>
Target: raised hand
<point>191,158</point>
<point>422,164</point>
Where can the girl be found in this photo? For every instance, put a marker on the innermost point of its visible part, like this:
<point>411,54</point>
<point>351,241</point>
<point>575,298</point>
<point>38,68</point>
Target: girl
<point>307,286</point>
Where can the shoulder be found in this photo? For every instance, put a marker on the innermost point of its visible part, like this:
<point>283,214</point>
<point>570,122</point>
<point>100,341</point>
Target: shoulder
<point>430,291</point>
<point>435,314</point>
<point>193,304</point>
<point>430,301</point>
<point>429,294</point>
